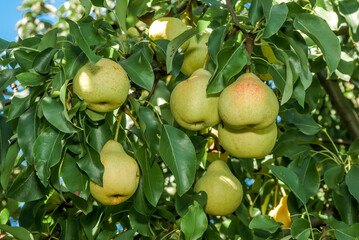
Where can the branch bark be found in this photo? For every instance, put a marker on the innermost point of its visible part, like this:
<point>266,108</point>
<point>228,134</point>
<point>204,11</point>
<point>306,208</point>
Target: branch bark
<point>341,104</point>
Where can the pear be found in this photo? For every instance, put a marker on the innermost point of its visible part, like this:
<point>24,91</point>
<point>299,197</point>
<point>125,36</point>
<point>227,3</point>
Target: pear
<point>281,213</point>
<point>103,86</point>
<point>223,189</point>
<point>190,105</point>
<point>195,55</point>
<point>120,178</point>
<point>248,103</point>
<point>168,28</point>
<point>249,142</point>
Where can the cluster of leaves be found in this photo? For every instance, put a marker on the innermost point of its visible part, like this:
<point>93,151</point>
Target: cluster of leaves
<point>50,141</point>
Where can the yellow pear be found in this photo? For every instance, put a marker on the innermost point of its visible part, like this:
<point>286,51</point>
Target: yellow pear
<point>190,105</point>
<point>168,28</point>
<point>248,103</point>
<point>195,55</point>
<point>223,189</point>
<point>249,142</point>
<point>104,86</point>
<point>120,178</point>
<point>281,213</point>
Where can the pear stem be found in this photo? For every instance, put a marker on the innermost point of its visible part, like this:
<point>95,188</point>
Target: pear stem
<point>205,60</point>
<point>132,117</point>
<point>276,193</point>
<point>118,124</point>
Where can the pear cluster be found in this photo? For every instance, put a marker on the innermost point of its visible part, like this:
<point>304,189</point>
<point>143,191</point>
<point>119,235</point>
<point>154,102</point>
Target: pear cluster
<point>195,49</point>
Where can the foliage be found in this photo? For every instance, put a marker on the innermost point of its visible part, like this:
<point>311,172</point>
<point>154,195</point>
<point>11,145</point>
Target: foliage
<point>50,141</point>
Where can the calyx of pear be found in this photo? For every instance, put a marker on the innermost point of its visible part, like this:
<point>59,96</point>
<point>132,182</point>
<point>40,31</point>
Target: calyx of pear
<point>248,103</point>
<point>168,28</point>
<point>281,213</point>
<point>120,178</point>
<point>223,189</point>
<point>195,55</point>
<point>248,142</point>
<point>190,105</point>
<point>103,86</point>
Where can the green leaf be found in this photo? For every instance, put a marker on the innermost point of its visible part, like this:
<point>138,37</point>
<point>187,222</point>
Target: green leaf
<point>87,5</point>
<point>352,179</point>
<point>264,222</point>
<point>56,114</point>
<point>10,161</point>
<point>150,128</point>
<point>255,12</point>
<point>4,216</point>
<point>48,40</point>
<point>194,223</point>
<point>275,19</point>
<point>70,228</point>
<point>350,10</point>
<point>153,179</point>
<point>231,61</point>
<point>6,78</point>
<point>20,103</point>
<point>178,153</point>
<point>3,45</point>
<point>319,31</point>
<point>304,122</point>
<point>300,229</point>
<point>73,177</point>
<point>81,41</point>
<point>89,32</point>
<point>174,45</point>
<point>19,233</point>
<point>348,233</point>
<point>334,175</point>
<point>120,13</point>
<point>91,165</point>
<point>215,42</point>
<point>141,205</point>
<point>5,135</point>
<point>127,235</point>
<point>43,60</point>
<point>30,79</point>
<point>144,78</point>
<point>288,87</point>
<point>98,135</point>
<point>26,187</point>
<point>75,59</point>
<point>345,204</point>
<point>141,223</point>
<point>25,58</point>
<point>354,148</point>
<point>287,176</point>
<point>47,153</point>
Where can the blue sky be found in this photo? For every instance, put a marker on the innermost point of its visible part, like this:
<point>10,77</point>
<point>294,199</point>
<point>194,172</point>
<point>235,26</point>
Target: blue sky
<point>10,15</point>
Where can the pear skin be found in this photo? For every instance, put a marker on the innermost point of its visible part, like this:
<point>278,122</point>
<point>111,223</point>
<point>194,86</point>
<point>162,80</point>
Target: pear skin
<point>168,28</point>
<point>281,213</point>
<point>249,142</point>
<point>103,86</point>
<point>195,55</point>
<point>223,189</point>
<point>190,105</point>
<point>248,103</point>
<point>120,178</point>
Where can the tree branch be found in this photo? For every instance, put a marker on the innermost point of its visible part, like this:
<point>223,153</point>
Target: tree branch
<point>341,105</point>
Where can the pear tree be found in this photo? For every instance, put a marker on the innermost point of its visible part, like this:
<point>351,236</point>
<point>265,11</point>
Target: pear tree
<point>205,119</point>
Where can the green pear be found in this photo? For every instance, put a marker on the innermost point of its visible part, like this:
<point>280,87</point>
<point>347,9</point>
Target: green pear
<point>168,28</point>
<point>190,105</point>
<point>248,103</point>
<point>248,142</point>
<point>195,55</point>
<point>120,177</point>
<point>103,86</point>
<point>223,189</point>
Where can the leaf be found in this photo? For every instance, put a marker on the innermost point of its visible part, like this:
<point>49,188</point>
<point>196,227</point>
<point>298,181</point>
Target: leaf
<point>86,4</point>
<point>345,204</point>
<point>275,19</point>
<point>175,44</point>
<point>304,122</point>
<point>56,114</point>
<point>75,58</point>
<point>215,42</point>
<point>98,135</point>
<point>287,176</point>
<point>10,161</point>
<point>354,148</point>
<point>141,204</point>
<point>6,78</point>
<point>348,233</point>
<point>3,45</point>
<point>48,40</point>
<point>19,233</point>
<point>81,41</point>
<point>72,176</point>
<point>194,223</point>
<point>70,228</point>
<point>231,61</point>
<point>47,153</point>
<point>26,187</point>
<point>300,229</point>
<point>127,235</point>
<point>91,165</point>
<point>141,223</point>
<point>144,78</point>
<point>153,179</point>
<point>288,87</point>
<point>90,32</point>
<point>5,135</point>
<point>352,179</point>
<point>25,58</point>
<point>20,103</point>
<point>30,79</point>
<point>150,128</point>
<point>255,12</point>
<point>43,60</point>
<point>264,222</point>
<point>120,13</point>
<point>319,31</point>
<point>178,153</point>
<point>334,175</point>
